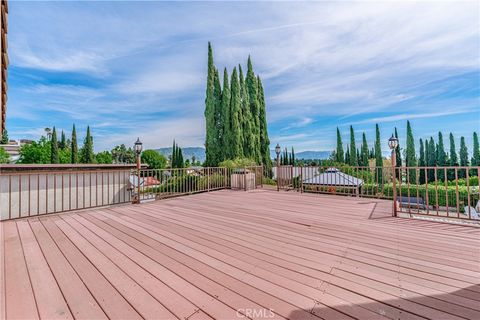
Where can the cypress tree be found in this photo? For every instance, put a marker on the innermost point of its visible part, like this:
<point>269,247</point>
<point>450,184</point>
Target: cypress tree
<point>217,146</point>
<point>4,137</point>
<point>364,154</point>
<point>372,153</point>
<point>476,151</point>
<point>252,91</point>
<point>180,163</point>
<point>378,156</point>
<point>453,152</point>
<point>463,157</point>
<point>347,155</point>
<point>421,163</point>
<point>353,149</point>
<point>264,140</point>
<point>174,155</point>
<point>74,146</point>
<point>248,131</point>
<point>410,160</point>
<point>210,102</point>
<point>431,159</point>
<point>236,132</point>
<point>88,155</point>
<point>292,157</point>
<point>54,158</point>
<point>398,153</point>
<point>226,119</point>
<point>441,157</point>
<point>339,155</point>
<point>63,141</point>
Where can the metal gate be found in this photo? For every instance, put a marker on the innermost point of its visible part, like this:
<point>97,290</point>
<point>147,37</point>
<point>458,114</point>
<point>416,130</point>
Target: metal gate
<point>285,177</point>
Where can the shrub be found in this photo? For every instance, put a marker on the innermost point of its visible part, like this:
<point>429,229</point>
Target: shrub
<point>237,163</point>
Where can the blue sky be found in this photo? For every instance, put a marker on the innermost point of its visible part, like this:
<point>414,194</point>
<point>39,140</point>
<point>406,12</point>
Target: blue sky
<point>132,69</point>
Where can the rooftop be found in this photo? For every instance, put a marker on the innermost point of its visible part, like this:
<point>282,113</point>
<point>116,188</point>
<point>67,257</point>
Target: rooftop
<point>227,255</point>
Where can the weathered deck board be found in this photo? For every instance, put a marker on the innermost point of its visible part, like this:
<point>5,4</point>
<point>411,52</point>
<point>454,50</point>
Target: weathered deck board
<point>226,255</point>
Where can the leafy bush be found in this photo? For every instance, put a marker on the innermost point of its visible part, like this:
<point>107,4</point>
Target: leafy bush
<point>4,157</point>
<point>237,163</point>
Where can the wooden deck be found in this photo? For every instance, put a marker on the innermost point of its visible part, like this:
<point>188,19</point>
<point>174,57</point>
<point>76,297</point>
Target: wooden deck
<point>235,255</point>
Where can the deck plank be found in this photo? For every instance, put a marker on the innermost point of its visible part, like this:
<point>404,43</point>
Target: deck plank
<point>225,254</point>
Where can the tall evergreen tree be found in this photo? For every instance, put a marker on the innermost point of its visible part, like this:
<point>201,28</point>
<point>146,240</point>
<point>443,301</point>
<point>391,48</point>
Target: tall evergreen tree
<point>421,163</point>
<point>217,146</point>
<point>4,137</point>
<point>339,155</point>
<point>236,131</point>
<point>431,159</point>
<point>264,140</point>
<point>476,151</point>
<point>63,141</point>
<point>453,151</point>
<point>248,123</point>
<point>292,157</point>
<point>353,149</point>
<point>364,156</point>
<point>441,157</point>
<point>252,91</point>
<point>225,125</point>
<point>173,158</point>
<point>74,146</point>
<point>398,154</point>
<point>378,156</point>
<point>463,157</point>
<point>411,159</point>
<point>347,155</point>
<point>54,158</point>
<point>210,103</point>
<point>88,156</point>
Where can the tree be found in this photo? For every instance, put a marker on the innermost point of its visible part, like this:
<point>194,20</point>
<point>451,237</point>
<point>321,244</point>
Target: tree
<point>347,155</point>
<point>48,132</point>
<point>225,125</point>
<point>4,156</point>
<point>422,163</point>
<point>411,159</point>
<point>63,141</point>
<point>104,157</point>
<point>378,156</point>
<point>398,155</point>
<point>353,149</point>
<point>441,157</point>
<point>292,157</point>
<point>476,151</point>
<point>463,157</point>
<point>87,154</point>
<point>54,148</point>
<point>339,154</point>
<point>4,137</point>
<point>264,139</point>
<point>431,159</point>
<point>74,146</point>
<point>248,131</point>
<point>210,102</point>
<point>121,154</point>
<point>453,152</point>
<point>173,157</point>
<point>36,152</point>
<point>153,159</point>
<point>364,154</point>
<point>252,91</point>
<point>236,131</point>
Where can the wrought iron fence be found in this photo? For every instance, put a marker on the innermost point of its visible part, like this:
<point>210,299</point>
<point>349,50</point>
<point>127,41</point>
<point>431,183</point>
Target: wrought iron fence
<point>149,184</point>
<point>450,192</point>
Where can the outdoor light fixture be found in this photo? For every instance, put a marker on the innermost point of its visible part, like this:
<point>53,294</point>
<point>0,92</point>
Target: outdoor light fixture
<point>393,142</point>
<point>278,149</point>
<point>138,147</point>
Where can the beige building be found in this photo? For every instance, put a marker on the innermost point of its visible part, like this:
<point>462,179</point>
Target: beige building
<point>4,64</point>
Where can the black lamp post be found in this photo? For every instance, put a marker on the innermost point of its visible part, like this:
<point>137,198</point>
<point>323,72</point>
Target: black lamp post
<point>393,144</point>
<point>137,147</point>
<point>278,149</point>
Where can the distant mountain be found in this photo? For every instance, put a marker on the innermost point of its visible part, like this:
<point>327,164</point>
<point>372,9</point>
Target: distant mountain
<point>188,152</point>
<point>311,155</point>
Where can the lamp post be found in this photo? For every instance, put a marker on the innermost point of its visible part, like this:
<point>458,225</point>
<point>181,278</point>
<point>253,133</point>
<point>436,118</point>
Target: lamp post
<point>393,145</point>
<point>137,147</point>
<point>278,149</point>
